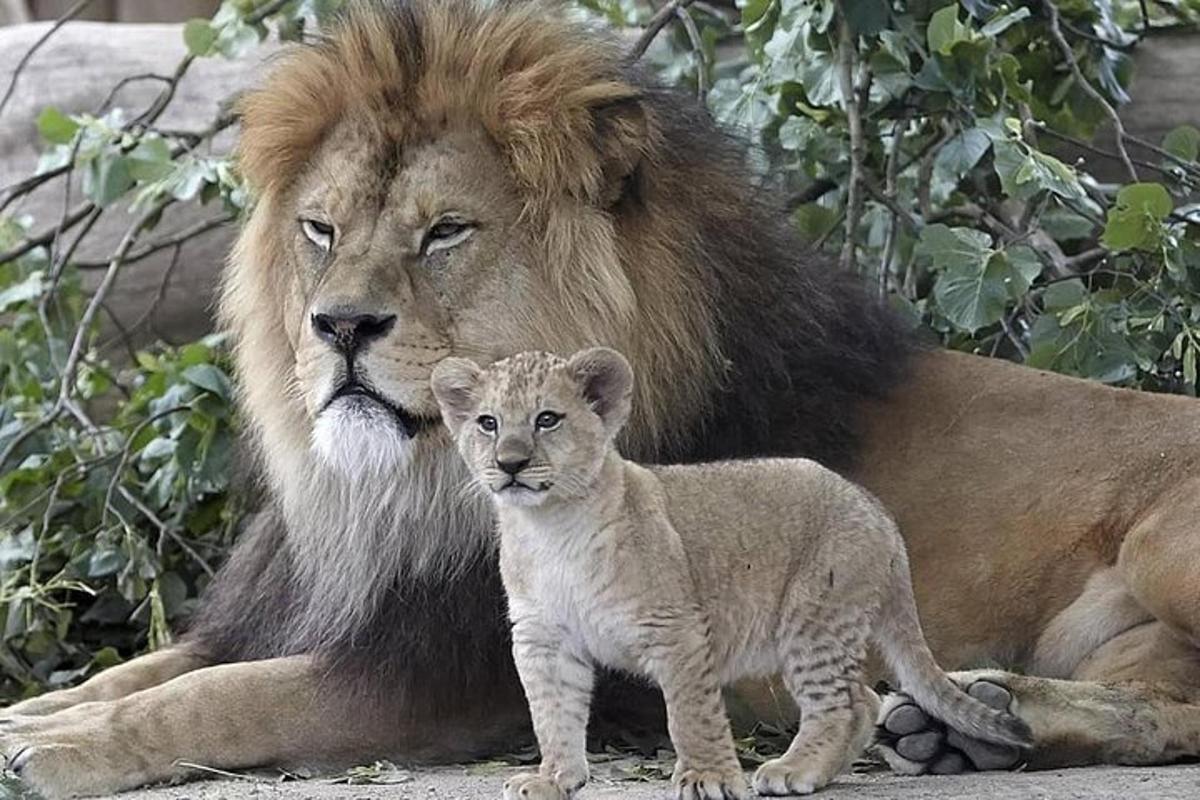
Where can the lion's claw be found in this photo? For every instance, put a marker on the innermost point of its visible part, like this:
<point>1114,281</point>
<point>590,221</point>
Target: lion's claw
<point>532,786</point>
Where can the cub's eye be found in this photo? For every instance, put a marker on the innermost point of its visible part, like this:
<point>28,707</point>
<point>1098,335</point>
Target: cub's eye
<point>446,233</point>
<point>547,420</point>
<point>318,232</point>
<point>487,423</point>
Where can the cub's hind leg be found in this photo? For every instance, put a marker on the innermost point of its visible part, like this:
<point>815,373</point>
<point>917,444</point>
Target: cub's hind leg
<point>823,663</point>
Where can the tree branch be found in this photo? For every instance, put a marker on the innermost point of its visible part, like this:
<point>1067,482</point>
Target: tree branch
<point>70,14</point>
<point>172,240</point>
<point>655,26</point>
<point>850,95</point>
<point>1065,48</point>
<point>693,33</point>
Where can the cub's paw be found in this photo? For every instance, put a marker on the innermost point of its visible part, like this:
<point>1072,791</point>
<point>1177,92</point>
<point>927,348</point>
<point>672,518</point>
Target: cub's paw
<point>780,778</point>
<point>532,786</point>
<point>912,742</point>
<point>711,784</point>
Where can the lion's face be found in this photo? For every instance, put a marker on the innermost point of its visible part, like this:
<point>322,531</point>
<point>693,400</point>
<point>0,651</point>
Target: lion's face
<point>398,259</point>
<point>535,427</point>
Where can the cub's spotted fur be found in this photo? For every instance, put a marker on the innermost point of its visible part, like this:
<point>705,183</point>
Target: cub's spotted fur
<point>690,575</point>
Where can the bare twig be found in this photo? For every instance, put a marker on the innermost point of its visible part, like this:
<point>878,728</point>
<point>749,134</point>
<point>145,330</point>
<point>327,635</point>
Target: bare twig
<point>891,174</point>
<point>1188,166</point>
<point>126,333</point>
<point>67,383</point>
<point>70,14</point>
<point>1065,48</point>
<point>811,193</point>
<point>854,202</point>
<point>27,185</point>
<point>121,84</point>
<point>693,33</point>
<point>655,26</point>
<point>166,530</point>
<point>1099,151</point>
<point>179,237</point>
<point>127,450</point>
<point>47,236</point>
<point>1080,261</point>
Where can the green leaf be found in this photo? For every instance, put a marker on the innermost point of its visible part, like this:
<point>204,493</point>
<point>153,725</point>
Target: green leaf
<point>867,17</point>
<point>107,179</point>
<point>150,160</point>
<point>814,221</point>
<point>1064,294</point>
<point>1183,142</point>
<point>29,289</point>
<point>199,36</point>
<point>973,296</point>
<point>945,30</point>
<point>1135,220</point>
<point>55,127</point>
<point>1000,24</point>
<point>206,376</point>
<point>963,151</point>
<point>1026,267</point>
<point>950,247</point>
<point>105,561</point>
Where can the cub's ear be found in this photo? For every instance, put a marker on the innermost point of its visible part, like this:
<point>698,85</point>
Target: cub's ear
<point>455,384</point>
<point>606,381</point>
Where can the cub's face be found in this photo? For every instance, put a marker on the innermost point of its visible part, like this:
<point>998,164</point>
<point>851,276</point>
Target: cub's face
<point>535,428</point>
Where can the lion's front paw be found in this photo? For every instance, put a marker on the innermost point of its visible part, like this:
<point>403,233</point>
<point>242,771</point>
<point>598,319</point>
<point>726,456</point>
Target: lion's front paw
<point>711,784</point>
<point>73,753</point>
<point>914,743</point>
<point>532,786</point>
<point>778,778</point>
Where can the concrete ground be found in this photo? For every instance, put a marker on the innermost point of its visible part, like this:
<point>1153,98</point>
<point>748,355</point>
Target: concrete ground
<point>622,781</point>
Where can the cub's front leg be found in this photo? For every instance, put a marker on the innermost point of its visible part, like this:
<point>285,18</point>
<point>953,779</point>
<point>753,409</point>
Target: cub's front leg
<point>558,687</point>
<point>680,660</point>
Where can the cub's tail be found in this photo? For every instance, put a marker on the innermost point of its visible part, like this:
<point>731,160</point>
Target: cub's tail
<point>903,644</point>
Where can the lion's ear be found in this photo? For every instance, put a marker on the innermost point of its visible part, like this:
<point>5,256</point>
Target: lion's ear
<point>455,384</point>
<point>622,134</point>
<point>606,381</point>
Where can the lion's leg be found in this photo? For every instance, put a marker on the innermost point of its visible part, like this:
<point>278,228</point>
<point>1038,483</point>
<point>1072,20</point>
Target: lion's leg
<point>232,716</point>
<point>227,716</point>
<point>1134,693</point>
<point>125,679</point>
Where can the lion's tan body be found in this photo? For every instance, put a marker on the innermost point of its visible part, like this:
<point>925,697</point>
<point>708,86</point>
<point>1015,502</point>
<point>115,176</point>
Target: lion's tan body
<point>1051,522</point>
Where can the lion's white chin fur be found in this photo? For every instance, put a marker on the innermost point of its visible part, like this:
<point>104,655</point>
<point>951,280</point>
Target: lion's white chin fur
<point>359,439</point>
<point>368,507</point>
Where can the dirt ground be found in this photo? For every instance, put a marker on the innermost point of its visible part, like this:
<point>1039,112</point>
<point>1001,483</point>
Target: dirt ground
<point>483,783</point>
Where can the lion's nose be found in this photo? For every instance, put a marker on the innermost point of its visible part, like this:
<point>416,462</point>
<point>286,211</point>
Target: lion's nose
<point>514,466</point>
<point>348,332</point>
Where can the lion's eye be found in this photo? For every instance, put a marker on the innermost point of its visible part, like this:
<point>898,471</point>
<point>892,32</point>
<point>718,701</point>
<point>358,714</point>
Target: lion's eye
<point>547,420</point>
<point>446,233</point>
<point>318,232</point>
<point>487,423</point>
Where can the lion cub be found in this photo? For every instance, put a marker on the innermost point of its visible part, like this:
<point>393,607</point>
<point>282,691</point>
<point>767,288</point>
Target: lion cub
<point>693,576</point>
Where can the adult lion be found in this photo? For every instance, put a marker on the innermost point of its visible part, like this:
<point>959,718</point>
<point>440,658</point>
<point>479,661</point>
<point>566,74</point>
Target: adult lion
<point>450,176</point>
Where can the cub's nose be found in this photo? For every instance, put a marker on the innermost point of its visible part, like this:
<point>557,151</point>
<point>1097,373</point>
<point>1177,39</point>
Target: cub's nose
<point>349,331</point>
<point>513,467</point>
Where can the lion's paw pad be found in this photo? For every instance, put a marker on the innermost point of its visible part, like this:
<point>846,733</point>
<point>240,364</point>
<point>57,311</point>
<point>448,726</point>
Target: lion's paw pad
<point>531,786</point>
<point>779,778</point>
<point>914,743</point>
<point>701,784</point>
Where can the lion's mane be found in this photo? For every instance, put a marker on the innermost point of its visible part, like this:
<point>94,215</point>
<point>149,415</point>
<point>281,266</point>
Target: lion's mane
<point>744,344</point>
